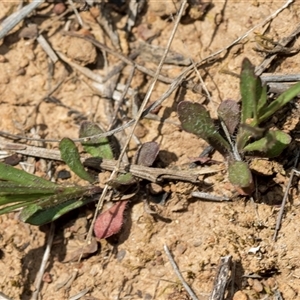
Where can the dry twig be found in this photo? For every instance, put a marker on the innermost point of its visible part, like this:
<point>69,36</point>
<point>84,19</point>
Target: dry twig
<point>222,278</point>
<point>122,57</point>
<point>39,278</point>
<point>148,173</point>
<point>208,197</point>
<point>10,22</point>
<point>284,200</point>
<point>177,272</point>
<point>47,48</point>
<point>4,297</point>
<point>283,42</point>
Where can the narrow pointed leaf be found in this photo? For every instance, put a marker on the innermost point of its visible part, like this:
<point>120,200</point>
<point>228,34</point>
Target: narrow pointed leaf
<point>35,215</point>
<point>195,119</point>
<point>251,89</point>
<point>10,208</point>
<point>10,173</point>
<point>253,98</point>
<point>283,99</point>
<point>262,102</point>
<point>54,206</point>
<point>71,157</point>
<point>25,199</point>
<point>6,199</point>
<point>97,147</point>
<point>12,188</point>
<point>44,200</point>
<point>66,193</point>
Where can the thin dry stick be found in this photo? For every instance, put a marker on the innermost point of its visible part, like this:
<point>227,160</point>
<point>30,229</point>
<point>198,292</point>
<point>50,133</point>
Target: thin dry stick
<point>4,297</point>
<point>177,272</point>
<point>47,48</point>
<point>270,77</point>
<point>76,12</point>
<point>285,41</point>
<point>154,174</point>
<point>277,295</point>
<point>209,197</point>
<point>10,22</point>
<point>86,71</point>
<point>79,295</point>
<point>222,278</point>
<point>233,274</point>
<point>286,193</point>
<point>148,173</point>
<point>120,102</point>
<point>46,256</point>
<point>29,118</point>
<point>120,56</point>
<point>140,113</point>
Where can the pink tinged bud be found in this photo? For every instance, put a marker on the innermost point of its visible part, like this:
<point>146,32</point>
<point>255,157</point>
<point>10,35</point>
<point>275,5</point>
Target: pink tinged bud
<point>110,222</point>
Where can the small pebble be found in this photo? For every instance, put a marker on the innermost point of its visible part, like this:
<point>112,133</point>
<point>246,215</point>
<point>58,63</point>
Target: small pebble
<point>180,248</point>
<point>59,8</point>
<point>271,282</point>
<point>64,174</point>
<point>155,188</point>
<point>121,254</point>
<point>3,59</point>
<point>47,277</point>
<point>239,295</point>
<point>257,286</point>
<point>12,160</point>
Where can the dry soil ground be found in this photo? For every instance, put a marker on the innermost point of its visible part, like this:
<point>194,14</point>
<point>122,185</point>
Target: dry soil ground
<point>199,233</point>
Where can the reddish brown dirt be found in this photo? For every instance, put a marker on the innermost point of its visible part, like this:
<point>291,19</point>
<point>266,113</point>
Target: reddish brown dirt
<point>197,232</point>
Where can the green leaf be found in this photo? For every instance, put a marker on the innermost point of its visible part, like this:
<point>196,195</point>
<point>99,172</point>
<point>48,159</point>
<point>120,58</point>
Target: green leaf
<point>195,119</point>
<point>98,146</point>
<point>9,188</point>
<point>21,188</point>
<point>271,145</point>
<point>283,99</point>
<point>262,102</point>
<point>251,90</point>
<point>121,180</point>
<point>11,199</point>
<point>25,199</point>
<point>10,173</point>
<point>42,201</point>
<point>240,176</point>
<point>51,207</point>
<point>35,215</point>
<point>71,157</point>
<point>254,98</point>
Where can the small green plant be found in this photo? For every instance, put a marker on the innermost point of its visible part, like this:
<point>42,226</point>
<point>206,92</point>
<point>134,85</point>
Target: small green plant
<point>251,138</point>
<point>43,201</point>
